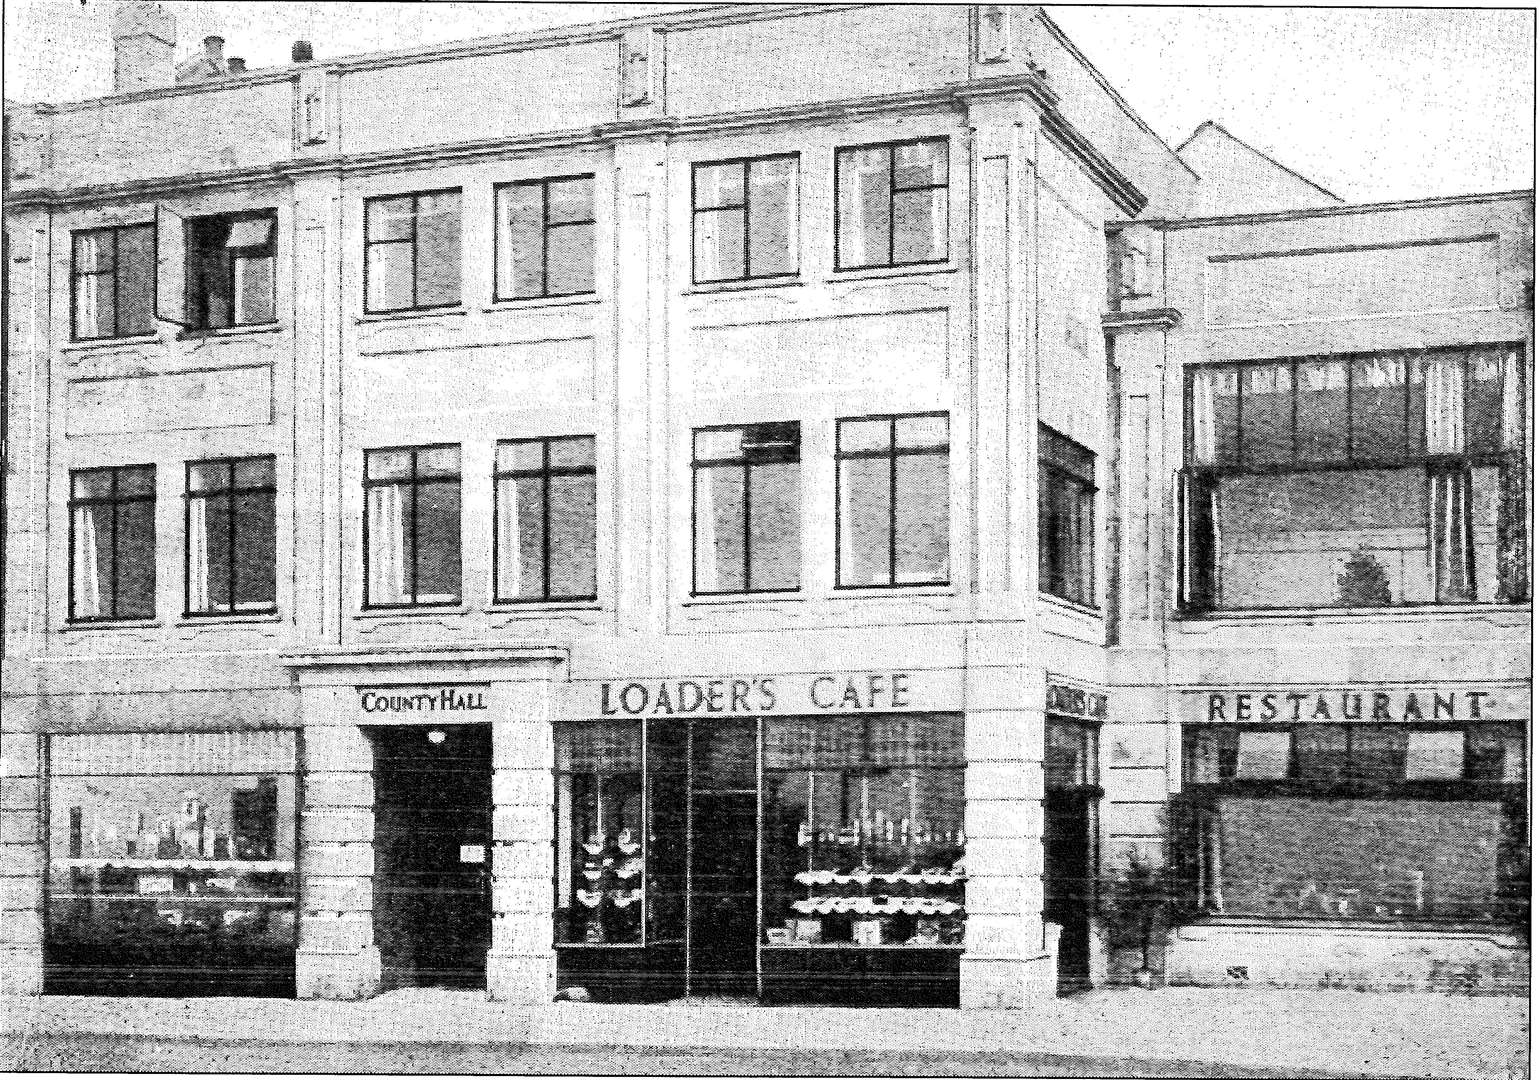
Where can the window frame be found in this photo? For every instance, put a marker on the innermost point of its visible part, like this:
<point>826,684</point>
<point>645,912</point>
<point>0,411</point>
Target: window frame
<point>544,474</point>
<point>117,281</point>
<point>413,483</point>
<point>192,283</point>
<point>743,462</point>
<point>792,240</point>
<point>231,494</point>
<point>891,455</point>
<point>546,226</point>
<point>416,197</point>
<point>1081,485</point>
<point>114,500</point>
<point>892,146</point>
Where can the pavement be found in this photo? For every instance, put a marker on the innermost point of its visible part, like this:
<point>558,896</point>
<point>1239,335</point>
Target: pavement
<point>1171,1031</point>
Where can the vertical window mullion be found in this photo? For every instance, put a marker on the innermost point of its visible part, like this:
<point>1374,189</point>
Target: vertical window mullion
<point>545,520</point>
<point>1240,416</point>
<point>416,205</point>
<point>892,200</point>
<point>545,238</point>
<point>1293,410</point>
<point>892,492</point>
<point>113,550</point>
<point>748,509</point>
<point>748,263</point>
<point>412,503</point>
<point>230,500</point>
<point>1348,378</point>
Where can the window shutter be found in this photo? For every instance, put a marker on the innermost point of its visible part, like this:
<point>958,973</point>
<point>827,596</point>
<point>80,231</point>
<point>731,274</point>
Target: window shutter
<point>170,267</point>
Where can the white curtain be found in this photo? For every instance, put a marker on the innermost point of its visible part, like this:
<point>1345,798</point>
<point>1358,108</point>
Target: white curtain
<point>1449,527</point>
<point>387,547</point>
<point>510,557</point>
<point>88,586</point>
<point>1444,409</point>
<point>1513,403</point>
<point>705,532</point>
<point>861,170</point>
<point>197,555</point>
<point>1202,406</point>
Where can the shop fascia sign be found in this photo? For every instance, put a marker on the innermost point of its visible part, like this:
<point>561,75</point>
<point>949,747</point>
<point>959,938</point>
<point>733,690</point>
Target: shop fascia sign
<point>779,695</point>
<point>395,700</point>
<point>1448,703</point>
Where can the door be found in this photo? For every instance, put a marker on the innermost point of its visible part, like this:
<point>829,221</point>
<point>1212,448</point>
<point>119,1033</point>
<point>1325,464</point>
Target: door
<point>433,835</point>
<point>724,859</point>
<point>1068,880</point>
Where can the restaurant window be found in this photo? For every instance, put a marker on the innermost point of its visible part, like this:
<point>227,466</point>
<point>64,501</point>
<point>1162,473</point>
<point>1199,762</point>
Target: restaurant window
<point>619,833</point>
<point>1355,481</point>
<point>230,264</point>
<point>1356,822</point>
<point>1066,512</point>
<point>231,537</point>
<point>171,862</point>
<point>894,522</point>
<point>891,204</point>
<point>745,217</point>
<point>112,272</point>
<point>412,251</point>
<point>748,509</point>
<point>863,831</point>
<point>112,543</point>
<point>412,526</point>
<point>545,238</point>
<point>544,541</point>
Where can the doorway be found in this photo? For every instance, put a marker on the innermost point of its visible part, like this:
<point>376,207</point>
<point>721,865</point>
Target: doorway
<point>432,842</point>
<point>1070,800</point>
<point>724,860</point>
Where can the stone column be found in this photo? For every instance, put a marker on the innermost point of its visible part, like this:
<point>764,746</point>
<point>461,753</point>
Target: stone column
<point>1007,964</point>
<point>21,865</point>
<point>337,956</point>
<point>521,965</point>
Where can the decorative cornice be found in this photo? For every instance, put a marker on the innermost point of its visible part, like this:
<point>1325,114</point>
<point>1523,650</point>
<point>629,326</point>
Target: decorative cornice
<point>1119,188</point>
<point>1033,85</point>
<point>396,656</point>
<point>1122,322</point>
<point>1335,211</point>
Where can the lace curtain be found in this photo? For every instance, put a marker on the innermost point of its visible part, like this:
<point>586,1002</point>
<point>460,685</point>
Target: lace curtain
<point>387,547</point>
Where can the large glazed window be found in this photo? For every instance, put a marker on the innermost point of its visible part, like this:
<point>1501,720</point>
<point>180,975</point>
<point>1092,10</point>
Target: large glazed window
<point>112,543</point>
<point>863,831</point>
<point>412,526</point>
<point>412,251</point>
<point>231,536</point>
<point>891,204</point>
<point>1066,518</point>
<point>1356,822</point>
<point>894,501</point>
<point>1355,481</point>
<point>745,215</point>
<point>544,542</point>
<point>171,862</point>
<point>748,509</point>
<point>545,238</point>
<point>112,272</point>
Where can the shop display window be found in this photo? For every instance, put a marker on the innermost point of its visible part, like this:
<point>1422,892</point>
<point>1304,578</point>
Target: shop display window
<point>863,832</point>
<point>1356,822</point>
<point>173,853</point>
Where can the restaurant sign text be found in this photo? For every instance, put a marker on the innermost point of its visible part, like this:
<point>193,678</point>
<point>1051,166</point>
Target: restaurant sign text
<point>784,695</point>
<point>1453,703</point>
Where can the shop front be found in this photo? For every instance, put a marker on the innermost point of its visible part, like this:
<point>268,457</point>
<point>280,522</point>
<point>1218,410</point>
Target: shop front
<point>758,854</point>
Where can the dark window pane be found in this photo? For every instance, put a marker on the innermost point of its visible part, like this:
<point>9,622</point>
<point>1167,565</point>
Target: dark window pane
<point>388,219</point>
<point>136,280</point>
<point>1379,408</point>
<point>923,529</point>
<point>1484,402</point>
<point>1320,752</point>
<point>519,241</point>
<point>572,536</point>
<point>1379,753</point>
<point>207,476</point>
<point>919,226</point>
<point>920,164</point>
<point>719,529</point>
<point>570,266</point>
<point>1323,411</point>
<point>253,289</point>
<point>388,272</point>
<point>865,523</point>
<point>255,551</point>
<point>572,453</point>
<point>136,561</point>
<point>772,217</point>
<point>255,472</point>
<point>92,484</point>
<point>521,538</point>
<point>571,200</point>
<point>439,461</point>
<point>438,543</point>
<point>719,245</point>
<point>136,481</point>
<point>775,527</point>
<point>438,249</point>
<point>1267,414</point>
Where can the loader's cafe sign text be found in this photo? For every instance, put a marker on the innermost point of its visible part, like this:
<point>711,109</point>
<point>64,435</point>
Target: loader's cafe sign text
<point>832,691</point>
<point>424,699</point>
<point>1456,703</point>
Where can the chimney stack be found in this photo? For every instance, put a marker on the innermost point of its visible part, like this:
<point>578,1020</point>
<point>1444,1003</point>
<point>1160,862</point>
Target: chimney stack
<point>301,53</point>
<point>236,65</point>
<point>143,47</point>
<point>214,52</point>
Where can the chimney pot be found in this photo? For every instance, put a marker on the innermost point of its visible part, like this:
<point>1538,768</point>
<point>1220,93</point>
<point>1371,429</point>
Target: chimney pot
<point>214,49</point>
<point>236,65</point>
<point>301,53</point>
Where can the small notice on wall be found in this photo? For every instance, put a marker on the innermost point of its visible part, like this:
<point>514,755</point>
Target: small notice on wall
<point>473,853</point>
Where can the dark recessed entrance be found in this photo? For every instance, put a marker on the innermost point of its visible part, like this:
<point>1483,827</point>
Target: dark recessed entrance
<point>433,852</point>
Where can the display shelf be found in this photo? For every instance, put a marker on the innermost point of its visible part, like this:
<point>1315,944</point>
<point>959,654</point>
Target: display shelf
<point>252,866</point>
<point>174,898</point>
<point>892,947</point>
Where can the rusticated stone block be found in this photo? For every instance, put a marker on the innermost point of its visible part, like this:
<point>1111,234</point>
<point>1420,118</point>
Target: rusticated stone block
<point>328,976</point>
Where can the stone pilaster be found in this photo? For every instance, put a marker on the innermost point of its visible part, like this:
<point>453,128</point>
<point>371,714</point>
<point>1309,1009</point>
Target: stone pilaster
<point>21,867</point>
<point>337,955</point>
<point>521,965</point>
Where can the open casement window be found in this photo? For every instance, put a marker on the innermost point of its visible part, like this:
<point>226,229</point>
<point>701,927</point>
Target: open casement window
<point>217,271</point>
<point>1355,481</point>
<point>412,526</point>
<point>1359,822</point>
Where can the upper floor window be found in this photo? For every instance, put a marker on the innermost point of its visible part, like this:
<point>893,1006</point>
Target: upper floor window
<point>544,542</point>
<point>230,270</point>
<point>412,251</point>
<point>112,274</point>
<point>112,543</point>
<point>747,509</point>
<point>891,204</point>
<point>412,526</point>
<point>1066,518</point>
<point>231,536</point>
<point>894,501</point>
<point>745,218</point>
<point>1355,481</point>
<point>545,238</point>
